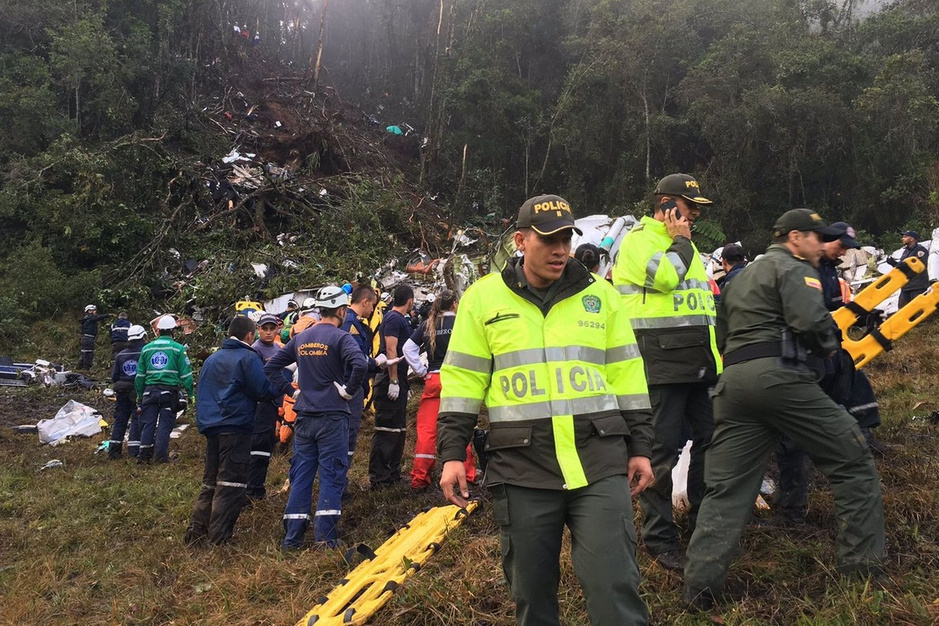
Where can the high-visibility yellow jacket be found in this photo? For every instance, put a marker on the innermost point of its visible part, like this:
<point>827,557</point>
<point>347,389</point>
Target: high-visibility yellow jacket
<point>563,381</point>
<point>670,304</point>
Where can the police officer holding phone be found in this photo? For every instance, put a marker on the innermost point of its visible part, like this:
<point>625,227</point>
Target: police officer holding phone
<point>669,303</point>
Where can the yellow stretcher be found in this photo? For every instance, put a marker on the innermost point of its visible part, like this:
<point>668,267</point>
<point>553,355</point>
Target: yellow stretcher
<point>880,339</point>
<point>370,585</point>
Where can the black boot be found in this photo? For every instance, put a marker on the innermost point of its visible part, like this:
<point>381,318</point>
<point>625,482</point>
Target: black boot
<point>114,451</point>
<point>878,448</point>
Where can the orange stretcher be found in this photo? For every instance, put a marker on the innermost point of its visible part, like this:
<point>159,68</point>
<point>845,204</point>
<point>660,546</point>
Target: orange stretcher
<point>881,339</point>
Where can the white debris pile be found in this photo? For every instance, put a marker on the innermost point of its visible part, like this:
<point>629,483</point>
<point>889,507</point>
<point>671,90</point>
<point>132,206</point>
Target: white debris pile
<point>74,418</point>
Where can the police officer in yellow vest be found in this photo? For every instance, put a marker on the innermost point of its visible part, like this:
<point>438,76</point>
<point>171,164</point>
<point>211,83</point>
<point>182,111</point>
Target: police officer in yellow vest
<point>668,300</point>
<point>546,346</point>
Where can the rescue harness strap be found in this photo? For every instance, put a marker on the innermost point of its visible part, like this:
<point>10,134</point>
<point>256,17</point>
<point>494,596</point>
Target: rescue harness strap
<point>856,308</point>
<point>908,271</point>
<point>885,343</point>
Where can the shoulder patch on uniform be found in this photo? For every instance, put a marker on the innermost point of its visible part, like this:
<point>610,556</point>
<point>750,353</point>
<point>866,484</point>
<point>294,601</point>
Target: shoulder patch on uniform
<point>353,330</point>
<point>813,282</point>
<point>592,304</point>
<point>920,253</point>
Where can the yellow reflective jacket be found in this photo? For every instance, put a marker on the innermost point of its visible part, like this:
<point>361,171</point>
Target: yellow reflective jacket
<point>669,302</point>
<point>563,382</point>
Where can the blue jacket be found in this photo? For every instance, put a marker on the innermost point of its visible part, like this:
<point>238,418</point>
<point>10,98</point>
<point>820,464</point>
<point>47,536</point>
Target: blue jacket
<point>119,330</point>
<point>231,383</point>
<point>322,353</point>
<point>920,282</point>
<point>124,370</point>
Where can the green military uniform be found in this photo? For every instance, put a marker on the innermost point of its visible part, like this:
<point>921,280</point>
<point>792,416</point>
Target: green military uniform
<point>766,390</point>
<point>561,376</point>
<point>670,305</point>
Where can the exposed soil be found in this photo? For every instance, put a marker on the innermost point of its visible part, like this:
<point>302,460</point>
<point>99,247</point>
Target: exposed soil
<point>28,405</point>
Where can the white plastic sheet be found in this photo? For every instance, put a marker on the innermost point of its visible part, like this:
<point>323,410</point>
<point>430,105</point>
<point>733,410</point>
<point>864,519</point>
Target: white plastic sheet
<point>74,418</point>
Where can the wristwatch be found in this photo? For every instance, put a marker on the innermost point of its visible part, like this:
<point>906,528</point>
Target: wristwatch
<point>394,381</point>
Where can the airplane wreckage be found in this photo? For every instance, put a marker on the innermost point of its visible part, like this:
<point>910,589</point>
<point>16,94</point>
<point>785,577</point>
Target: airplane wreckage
<point>475,253</point>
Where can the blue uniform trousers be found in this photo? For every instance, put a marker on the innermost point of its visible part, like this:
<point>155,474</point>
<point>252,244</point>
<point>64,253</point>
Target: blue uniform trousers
<point>157,419</point>
<point>320,444</point>
<point>356,405</point>
<point>124,411</point>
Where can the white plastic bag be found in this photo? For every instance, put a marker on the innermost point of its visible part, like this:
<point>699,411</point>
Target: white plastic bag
<point>74,418</point>
<point>680,479</point>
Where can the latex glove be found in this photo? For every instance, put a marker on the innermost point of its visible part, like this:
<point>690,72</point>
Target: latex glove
<point>383,361</point>
<point>394,389</point>
<point>296,394</point>
<point>342,391</point>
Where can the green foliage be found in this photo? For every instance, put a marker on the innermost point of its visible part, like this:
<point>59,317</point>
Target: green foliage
<point>708,234</point>
<point>27,106</point>
<point>771,103</point>
<point>33,287</point>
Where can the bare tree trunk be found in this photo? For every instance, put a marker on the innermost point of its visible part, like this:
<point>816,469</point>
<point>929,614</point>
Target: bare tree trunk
<point>319,45</point>
<point>432,112</point>
<point>459,187</point>
<point>645,107</point>
<point>528,141</point>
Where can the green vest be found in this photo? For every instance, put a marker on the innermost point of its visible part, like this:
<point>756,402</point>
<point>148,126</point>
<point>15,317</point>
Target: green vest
<point>163,362</point>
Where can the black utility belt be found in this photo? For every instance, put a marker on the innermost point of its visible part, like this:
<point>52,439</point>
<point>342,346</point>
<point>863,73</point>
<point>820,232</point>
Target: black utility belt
<point>751,352</point>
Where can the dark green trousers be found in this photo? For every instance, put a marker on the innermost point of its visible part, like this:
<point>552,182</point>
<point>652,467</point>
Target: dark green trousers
<point>679,413</point>
<point>755,402</point>
<point>603,548</point>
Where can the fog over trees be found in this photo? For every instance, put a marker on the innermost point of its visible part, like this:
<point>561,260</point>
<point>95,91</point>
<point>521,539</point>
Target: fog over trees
<point>773,104</point>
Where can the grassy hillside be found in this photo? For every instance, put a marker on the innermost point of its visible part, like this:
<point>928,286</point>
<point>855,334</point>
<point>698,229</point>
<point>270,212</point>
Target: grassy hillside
<point>98,542</point>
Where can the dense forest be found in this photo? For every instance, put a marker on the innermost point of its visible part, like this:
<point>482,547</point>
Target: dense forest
<point>117,114</point>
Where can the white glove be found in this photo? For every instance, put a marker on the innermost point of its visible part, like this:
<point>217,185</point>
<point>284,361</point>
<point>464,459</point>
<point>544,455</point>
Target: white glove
<point>393,390</point>
<point>296,394</point>
<point>342,391</point>
<point>383,361</point>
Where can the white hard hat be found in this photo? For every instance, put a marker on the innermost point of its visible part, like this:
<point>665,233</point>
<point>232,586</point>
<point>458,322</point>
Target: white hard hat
<point>136,332</point>
<point>90,307</point>
<point>167,322</point>
<point>331,297</point>
<point>309,304</point>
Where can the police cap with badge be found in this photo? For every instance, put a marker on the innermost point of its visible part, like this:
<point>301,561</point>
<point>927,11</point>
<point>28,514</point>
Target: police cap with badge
<point>546,215</point>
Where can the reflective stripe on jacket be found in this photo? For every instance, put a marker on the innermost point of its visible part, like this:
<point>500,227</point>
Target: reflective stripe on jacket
<point>669,301</point>
<point>565,390</point>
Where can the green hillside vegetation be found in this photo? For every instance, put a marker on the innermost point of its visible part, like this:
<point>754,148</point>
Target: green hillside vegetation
<point>117,116</point>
